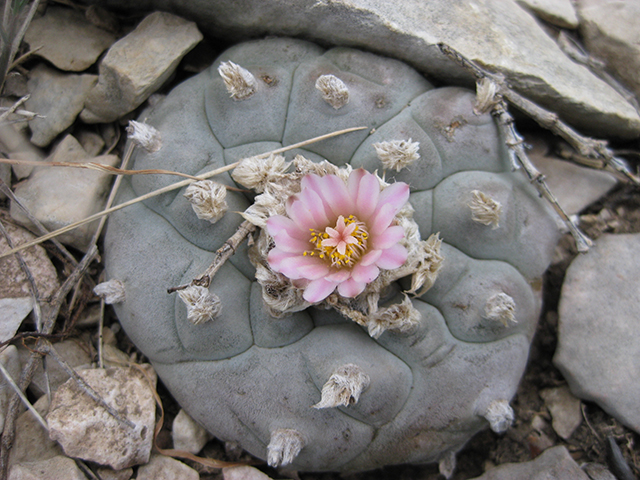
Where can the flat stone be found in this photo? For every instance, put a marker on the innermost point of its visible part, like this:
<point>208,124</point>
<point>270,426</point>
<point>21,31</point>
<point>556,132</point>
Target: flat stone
<point>110,474</point>
<point>187,434</point>
<point>76,352</point>
<point>75,50</point>
<point>574,186</point>
<point>56,468</point>
<point>138,64</point>
<point>58,196</point>
<point>166,468</point>
<point>598,349</point>
<point>610,32</point>
<point>243,473</point>
<point>553,463</point>
<point>11,362</point>
<point>565,410</point>
<point>16,144</point>
<point>32,442</point>
<point>59,97</point>
<point>12,312</point>
<point>557,12</point>
<point>513,43</point>
<point>86,430</point>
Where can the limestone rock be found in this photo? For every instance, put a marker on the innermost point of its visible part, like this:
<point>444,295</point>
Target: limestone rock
<point>557,12</point>
<point>564,408</point>
<point>110,474</point>
<point>15,143</point>
<point>85,430</point>
<point>574,186</point>
<point>138,64</point>
<point>513,43</point>
<point>11,362</point>
<point>187,434</point>
<point>553,463</point>
<point>166,468</point>
<point>58,196</point>
<point>59,97</point>
<point>32,442</point>
<point>75,352</point>
<point>598,337</point>
<point>243,473</point>
<point>75,50</point>
<point>56,468</point>
<point>610,32</point>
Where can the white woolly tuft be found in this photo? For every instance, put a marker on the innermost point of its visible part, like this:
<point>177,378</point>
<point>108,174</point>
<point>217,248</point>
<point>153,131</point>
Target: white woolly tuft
<point>256,173</point>
<point>240,82</point>
<point>501,307</point>
<point>284,446</point>
<point>334,91</point>
<point>208,199</point>
<point>202,306</point>
<point>484,209</point>
<point>111,291</point>
<point>343,387</point>
<point>144,135</point>
<point>397,154</point>
<point>500,416</point>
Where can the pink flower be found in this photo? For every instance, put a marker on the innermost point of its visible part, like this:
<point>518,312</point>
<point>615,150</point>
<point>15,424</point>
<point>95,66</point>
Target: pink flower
<point>338,235</point>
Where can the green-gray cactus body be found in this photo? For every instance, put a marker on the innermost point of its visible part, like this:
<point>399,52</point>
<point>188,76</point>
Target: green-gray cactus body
<point>252,378</point>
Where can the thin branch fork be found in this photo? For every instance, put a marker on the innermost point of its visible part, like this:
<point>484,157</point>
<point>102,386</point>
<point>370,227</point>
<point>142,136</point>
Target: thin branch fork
<point>245,229</point>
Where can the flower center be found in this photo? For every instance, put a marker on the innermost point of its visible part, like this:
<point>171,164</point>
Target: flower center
<point>341,245</point>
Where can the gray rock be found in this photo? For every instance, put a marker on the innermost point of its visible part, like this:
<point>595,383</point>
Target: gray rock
<point>76,352</point>
<point>610,32</point>
<point>5,176</point>
<point>512,43</point>
<point>166,468</point>
<point>11,362</point>
<point>187,434</point>
<point>12,312</point>
<point>56,468</point>
<point>74,50</point>
<point>32,442</point>
<point>16,145</point>
<point>574,186</point>
<point>58,196</point>
<point>110,474</point>
<point>564,409</point>
<point>554,463</point>
<point>557,12</point>
<point>598,337</point>
<point>243,473</point>
<point>138,64</point>
<point>85,430</point>
<point>59,97</point>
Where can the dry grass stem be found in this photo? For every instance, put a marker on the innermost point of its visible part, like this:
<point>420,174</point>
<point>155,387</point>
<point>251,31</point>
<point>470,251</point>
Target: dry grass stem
<point>24,399</point>
<point>587,146</point>
<point>174,186</point>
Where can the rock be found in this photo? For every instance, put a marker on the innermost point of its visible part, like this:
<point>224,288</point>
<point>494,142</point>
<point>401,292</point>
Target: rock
<point>243,473</point>
<point>11,362</point>
<point>59,97</point>
<point>596,471</point>
<point>610,32</point>
<point>32,442</point>
<point>18,147</point>
<point>598,337</point>
<point>557,12</point>
<point>187,434</point>
<point>58,196</point>
<point>76,352</point>
<point>5,176</point>
<point>109,474</point>
<point>91,142</point>
<point>86,430</point>
<point>513,43</point>
<point>553,463</point>
<point>56,468</point>
<point>564,409</point>
<point>574,186</point>
<point>166,468</point>
<point>138,64</point>
<point>76,50</point>
<point>15,294</point>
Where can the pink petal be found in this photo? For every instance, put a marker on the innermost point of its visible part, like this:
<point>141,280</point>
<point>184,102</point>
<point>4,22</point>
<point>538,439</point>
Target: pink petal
<point>298,212</point>
<point>350,288</point>
<point>318,290</point>
<point>392,257</point>
<point>335,193</point>
<point>365,273</point>
<point>296,267</point>
<point>364,188</point>
<point>276,257</point>
<point>287,243</point>
<point>315,207</point>
<point>382,218</point>
<point>339,276</point>
<point>370,257</point>
<point>388,238</point>
<point>278,223</point>
<point>313,271</point>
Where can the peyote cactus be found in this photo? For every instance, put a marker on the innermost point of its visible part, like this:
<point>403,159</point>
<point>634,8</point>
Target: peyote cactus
<point>348,372</point>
